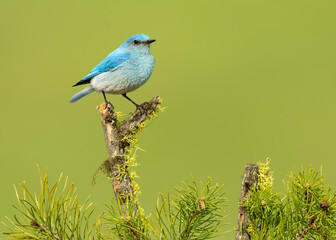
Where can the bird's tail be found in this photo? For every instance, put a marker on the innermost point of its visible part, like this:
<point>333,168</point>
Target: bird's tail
<point>81,94</point>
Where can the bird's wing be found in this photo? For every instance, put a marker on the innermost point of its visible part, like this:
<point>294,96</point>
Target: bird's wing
<point>110,63</point>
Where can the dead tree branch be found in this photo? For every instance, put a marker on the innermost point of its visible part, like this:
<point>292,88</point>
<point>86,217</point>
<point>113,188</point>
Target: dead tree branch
<point>250,180</point>
<point>116,138</point>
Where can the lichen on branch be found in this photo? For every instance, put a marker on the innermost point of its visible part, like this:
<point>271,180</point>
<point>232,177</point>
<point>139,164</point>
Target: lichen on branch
<point>121,141</point>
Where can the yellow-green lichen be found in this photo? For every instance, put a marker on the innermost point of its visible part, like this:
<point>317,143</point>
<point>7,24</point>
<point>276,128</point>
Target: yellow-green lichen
<point>131,142</point>
<point>133,175</point>
<point>121,169</point>
<point>136,188</point>
<point>265,176</point>
<point>118,115</point>
<point>131,139</point>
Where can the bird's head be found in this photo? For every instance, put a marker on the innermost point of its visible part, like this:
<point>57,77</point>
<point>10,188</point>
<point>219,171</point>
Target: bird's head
<point>138,42</point>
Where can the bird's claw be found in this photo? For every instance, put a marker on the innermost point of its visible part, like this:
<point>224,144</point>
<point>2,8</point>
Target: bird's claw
<point>108,105</point>
<point>140,107</point>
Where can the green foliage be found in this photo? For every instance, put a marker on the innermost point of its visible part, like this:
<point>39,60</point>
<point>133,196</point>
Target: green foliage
<point>54,214</point>
<point>126,220</point>
<point>194,212</point>
<point>306,210</point>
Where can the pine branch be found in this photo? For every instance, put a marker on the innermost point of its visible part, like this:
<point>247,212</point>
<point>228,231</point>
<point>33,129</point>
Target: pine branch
<point>188,227</point>
<point>306,211</point>
<point>44,229</point>
<point>194,212</point>
<point>54,213</point>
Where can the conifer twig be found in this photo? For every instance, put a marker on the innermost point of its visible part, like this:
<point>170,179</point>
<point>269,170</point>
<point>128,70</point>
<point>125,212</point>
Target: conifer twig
<point>44,229</point>
<point>250,180</point>
<point>116,135</point>
<point>189,224</point>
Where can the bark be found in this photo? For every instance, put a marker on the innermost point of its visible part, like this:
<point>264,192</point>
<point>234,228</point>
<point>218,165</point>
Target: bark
<point>250,180</point>
<point>114,133</point>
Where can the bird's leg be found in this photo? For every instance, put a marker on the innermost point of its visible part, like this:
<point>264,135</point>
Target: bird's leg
<point>125,96</point>
<point>106,102</point>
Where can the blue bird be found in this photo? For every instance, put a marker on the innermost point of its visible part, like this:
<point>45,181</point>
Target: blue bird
<point>124,70</point>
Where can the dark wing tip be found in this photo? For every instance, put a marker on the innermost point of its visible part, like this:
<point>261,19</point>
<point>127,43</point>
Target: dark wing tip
<point>81,82</point>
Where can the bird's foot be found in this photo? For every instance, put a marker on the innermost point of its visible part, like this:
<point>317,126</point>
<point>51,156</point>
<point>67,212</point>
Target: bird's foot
<point>108,105</point>
<point>139,107</point>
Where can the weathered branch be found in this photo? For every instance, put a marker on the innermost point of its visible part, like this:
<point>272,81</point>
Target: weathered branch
<point>250,180</point>
<point>139,116</point>
<point>117,136</point>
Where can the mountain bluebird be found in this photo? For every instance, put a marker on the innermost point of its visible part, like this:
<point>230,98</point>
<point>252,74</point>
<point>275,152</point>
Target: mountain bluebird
<point>124,70</point>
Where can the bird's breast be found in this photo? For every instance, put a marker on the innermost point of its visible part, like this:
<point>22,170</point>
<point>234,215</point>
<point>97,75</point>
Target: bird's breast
<point>129,76</point>
<point>145,67</point>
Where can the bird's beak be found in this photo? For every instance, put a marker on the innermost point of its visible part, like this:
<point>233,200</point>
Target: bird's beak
<point>150,41</point>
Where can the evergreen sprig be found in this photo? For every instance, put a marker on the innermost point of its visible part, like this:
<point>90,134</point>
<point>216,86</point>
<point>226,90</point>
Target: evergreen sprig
<point>194,212</point>
<point>306,210</point>
<point>126,220</point>
<point>54,214</point>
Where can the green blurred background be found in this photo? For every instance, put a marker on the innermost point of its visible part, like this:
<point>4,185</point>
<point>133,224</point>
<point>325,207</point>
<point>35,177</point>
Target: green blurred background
<point>241,80</point>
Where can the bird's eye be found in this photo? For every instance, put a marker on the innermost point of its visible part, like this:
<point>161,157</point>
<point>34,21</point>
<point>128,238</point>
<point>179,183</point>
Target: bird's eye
<point>136,42</point>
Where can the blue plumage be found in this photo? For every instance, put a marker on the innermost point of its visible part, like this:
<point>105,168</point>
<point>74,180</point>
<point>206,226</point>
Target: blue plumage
<point>124,70</point>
